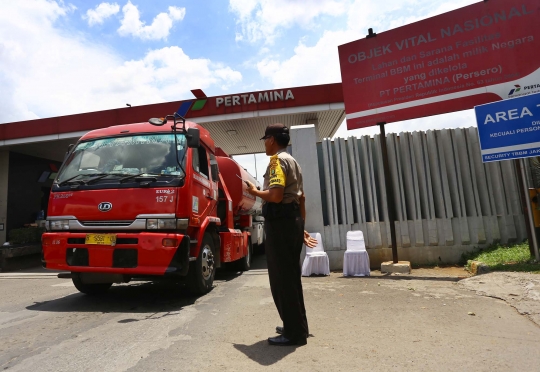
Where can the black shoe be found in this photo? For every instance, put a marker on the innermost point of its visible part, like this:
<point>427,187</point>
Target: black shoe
<point>279,330</point>
<point>284,341</point>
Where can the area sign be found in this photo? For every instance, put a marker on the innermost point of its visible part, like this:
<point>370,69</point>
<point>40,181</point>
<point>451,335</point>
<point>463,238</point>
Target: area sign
<point>481,53</point>
<point>509,129</point>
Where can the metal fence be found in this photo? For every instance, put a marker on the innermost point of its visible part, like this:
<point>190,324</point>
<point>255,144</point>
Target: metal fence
<point>444,195</point>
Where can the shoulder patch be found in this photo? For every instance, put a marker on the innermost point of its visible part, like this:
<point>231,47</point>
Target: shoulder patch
<point>276,176</point>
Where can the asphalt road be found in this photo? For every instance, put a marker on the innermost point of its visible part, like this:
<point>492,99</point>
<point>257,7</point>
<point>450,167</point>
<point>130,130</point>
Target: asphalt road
<point>424,322</point>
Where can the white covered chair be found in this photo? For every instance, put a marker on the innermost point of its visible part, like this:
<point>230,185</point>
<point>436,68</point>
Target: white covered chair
<point>356,259</point>
<point>316,261</point>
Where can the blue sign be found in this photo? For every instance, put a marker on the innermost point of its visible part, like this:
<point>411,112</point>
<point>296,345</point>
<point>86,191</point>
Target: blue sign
<point>509,129</point>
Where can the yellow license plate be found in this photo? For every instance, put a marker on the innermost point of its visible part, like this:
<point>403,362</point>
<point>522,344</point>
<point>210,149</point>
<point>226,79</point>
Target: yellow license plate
<point>101,239</point>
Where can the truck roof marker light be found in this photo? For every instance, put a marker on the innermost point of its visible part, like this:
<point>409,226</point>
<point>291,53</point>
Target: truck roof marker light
<point>158,122</point>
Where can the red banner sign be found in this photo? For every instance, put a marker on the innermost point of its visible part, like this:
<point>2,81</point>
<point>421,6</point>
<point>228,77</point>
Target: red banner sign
<point>481,53</point>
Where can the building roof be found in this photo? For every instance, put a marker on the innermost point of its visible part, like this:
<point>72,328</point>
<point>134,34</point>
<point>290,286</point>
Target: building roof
<point>235,122</point>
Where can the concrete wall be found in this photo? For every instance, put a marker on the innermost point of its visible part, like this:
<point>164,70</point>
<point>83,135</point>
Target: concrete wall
<point>447,201</point>
<point>4,170</point>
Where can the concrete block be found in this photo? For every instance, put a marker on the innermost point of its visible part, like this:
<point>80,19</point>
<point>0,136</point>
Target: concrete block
<point>477,229</point>
<point>343,229</point>
<point>374,235</point>
<point>464,230</point>
<point>402,267</point>
<point>433,238</point>
<point>402,231</point>
<point>419,233</point>
<point>478,267</point>
<point>492,229</point>
<point>448,232</point>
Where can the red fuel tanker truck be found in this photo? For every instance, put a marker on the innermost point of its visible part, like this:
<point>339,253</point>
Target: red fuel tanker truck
<point>149,201</point>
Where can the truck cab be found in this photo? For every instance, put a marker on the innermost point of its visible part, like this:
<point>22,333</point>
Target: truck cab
<point>140,201</point>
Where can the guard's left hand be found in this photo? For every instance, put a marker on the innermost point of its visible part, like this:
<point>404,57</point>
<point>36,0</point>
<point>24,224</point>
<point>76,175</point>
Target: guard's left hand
<point>309,241</point>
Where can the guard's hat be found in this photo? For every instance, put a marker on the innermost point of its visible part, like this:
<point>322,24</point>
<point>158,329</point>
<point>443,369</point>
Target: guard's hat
<point>275,129</point>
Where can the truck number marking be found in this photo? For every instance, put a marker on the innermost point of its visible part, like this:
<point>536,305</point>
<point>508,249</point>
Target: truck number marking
<point>164,199</point>
<point>63,196</point>
<point>165,191</point>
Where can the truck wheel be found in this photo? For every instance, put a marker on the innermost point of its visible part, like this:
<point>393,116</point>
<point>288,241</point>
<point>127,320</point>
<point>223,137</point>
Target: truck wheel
<point>90,288</point>
<point>202,271</point>
<point>245,262</point>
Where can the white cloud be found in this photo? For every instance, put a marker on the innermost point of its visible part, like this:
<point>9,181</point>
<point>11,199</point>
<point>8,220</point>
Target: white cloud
<point>101,12</point>
<point>319,63</point>
<point>459,119</point>
<point>131,23</point>
<point>263,19</point>
<point>46,72</point>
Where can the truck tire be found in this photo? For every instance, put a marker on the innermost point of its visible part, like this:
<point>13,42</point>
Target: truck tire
<point>245,262</point>
<point>89,288</point>
<point>202,271</point>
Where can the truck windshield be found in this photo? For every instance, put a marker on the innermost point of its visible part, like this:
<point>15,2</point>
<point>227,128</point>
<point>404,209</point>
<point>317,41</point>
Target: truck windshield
<point>150,154</point>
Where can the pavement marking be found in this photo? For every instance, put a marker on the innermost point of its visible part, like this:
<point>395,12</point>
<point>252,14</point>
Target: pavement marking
<point>22,275</point>
<point>66,284</point>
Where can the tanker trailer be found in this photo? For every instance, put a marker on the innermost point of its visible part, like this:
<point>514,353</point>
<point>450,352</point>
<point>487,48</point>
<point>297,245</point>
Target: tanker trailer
<point>247,209</point>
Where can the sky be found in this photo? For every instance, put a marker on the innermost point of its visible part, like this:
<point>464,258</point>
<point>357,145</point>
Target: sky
<point>67,57</point>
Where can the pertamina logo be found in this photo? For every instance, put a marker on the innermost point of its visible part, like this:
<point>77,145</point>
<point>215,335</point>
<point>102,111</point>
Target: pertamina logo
<point>194,105</point>
<point>515,90</point>
<point>518,91</point>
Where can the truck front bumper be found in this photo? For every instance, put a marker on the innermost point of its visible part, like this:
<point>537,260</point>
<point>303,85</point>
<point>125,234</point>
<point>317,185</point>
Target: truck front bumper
<point>134,254</point>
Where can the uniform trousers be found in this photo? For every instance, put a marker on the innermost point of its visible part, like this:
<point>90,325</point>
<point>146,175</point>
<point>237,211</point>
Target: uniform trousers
<point>283,246</point>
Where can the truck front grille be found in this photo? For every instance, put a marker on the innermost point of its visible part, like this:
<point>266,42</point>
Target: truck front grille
<point>106,223</point>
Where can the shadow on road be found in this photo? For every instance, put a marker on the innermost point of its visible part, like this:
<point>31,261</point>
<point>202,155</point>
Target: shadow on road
<point>141,297</point>
<point>265,354</point>
<point>136,297</point>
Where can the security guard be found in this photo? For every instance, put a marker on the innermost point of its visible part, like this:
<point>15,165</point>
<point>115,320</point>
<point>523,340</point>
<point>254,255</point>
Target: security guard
<point>284,214</point>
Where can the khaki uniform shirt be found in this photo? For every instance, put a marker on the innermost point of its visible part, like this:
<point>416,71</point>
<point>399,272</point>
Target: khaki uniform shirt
<point>284,171</point>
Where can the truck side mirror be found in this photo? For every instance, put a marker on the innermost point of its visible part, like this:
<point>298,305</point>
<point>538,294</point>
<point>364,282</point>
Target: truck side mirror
<point>193,138</point>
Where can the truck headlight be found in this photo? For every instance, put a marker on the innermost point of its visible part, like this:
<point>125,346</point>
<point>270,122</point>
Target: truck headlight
<point>152,224</point>
<point>167,224</point>
<point>59,225</point>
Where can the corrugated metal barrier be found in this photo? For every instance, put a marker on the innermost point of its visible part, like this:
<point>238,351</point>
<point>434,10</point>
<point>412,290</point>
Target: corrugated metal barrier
<point>445,196</point>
